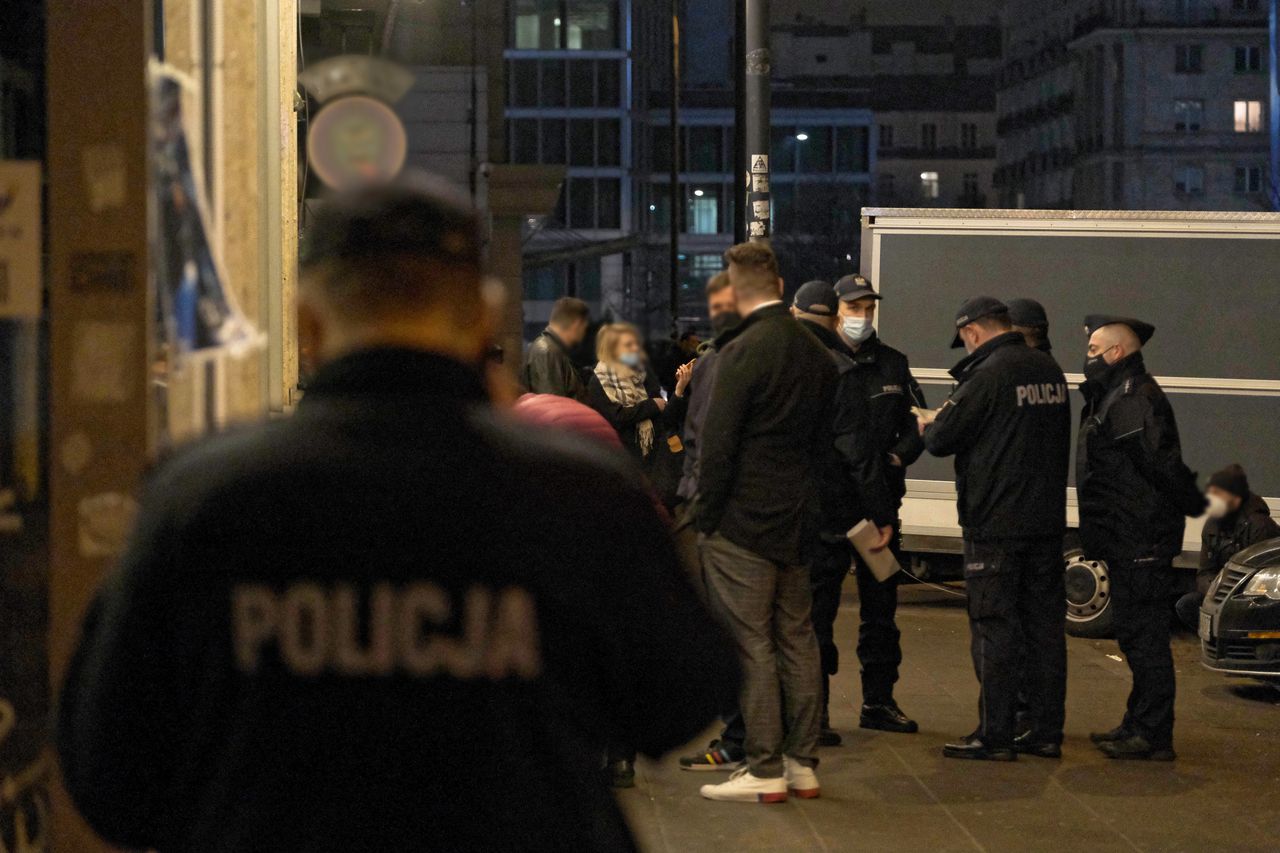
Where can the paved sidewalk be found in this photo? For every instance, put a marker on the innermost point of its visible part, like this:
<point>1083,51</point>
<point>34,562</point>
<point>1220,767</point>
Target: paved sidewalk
<point>888,792</point>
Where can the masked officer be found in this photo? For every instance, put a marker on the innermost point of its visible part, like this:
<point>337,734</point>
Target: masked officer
<point>1029,320</point>
<point>1134,492</point>
<point>1008,423</point>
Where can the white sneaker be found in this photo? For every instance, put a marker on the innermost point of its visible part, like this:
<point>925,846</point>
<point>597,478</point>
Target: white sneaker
<point>742,787</point>
<point>801,780</point>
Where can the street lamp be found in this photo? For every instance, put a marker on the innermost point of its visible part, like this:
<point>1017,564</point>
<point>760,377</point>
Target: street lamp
<point>802,137</point>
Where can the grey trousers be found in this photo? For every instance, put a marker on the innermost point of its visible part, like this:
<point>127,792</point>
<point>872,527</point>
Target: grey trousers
<point>766,607</point>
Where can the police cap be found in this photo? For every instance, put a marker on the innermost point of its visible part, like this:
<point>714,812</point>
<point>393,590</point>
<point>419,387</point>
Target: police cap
<point>854,287</point>
<point>975,309</point>
<point>816,297</point>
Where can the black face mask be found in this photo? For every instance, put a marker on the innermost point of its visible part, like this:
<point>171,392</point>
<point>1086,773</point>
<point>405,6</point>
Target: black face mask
<point>1095,367</point>
<point>724,321</point>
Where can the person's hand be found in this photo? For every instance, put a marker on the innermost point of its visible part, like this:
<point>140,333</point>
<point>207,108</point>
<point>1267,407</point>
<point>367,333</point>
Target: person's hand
<point>895,460</point>
<point>924,417</point>
<point>662,404</point>
<point>683,374</point>
<point>886,536</point>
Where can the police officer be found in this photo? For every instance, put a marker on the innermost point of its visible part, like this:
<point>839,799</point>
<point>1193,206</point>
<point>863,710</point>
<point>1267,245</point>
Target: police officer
<point>1029,320</point>
<point>1008,423</point>
<point>330,632</point>
<point>1134,492</point>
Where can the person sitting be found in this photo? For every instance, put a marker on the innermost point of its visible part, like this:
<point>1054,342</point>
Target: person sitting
<point>1237,519</point>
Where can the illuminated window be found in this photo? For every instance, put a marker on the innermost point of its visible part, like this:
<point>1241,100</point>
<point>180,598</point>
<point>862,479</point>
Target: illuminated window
<point>929,186</point>
<point>1248,116</point>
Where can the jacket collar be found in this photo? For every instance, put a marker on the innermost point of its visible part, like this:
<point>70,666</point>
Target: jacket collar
<point>1122,371</point>
<point>828,338</point>
<point>777,309</point>
<point>555,339</point>
<point>394,371</point>
<point>970,362</point>
<point>869,352</point>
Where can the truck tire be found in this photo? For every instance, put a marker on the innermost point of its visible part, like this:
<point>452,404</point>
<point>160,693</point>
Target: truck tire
<point>1089,611</point>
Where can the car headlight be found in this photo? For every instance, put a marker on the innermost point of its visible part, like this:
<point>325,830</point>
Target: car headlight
<point>1264,583</point>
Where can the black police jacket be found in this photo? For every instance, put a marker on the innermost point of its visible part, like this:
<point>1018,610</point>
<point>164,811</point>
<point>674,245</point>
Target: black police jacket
<point>548,369</point>
<point>1134,489</point>
<point>390,622</point>
<point>767,430</point>
<point>1008,423</point>
<point>872,419</point>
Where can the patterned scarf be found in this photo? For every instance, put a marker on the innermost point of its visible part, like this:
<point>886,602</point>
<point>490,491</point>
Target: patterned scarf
<point>625,386</point>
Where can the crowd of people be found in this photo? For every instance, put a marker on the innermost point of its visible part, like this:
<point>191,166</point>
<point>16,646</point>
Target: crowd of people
<point>407,618</point>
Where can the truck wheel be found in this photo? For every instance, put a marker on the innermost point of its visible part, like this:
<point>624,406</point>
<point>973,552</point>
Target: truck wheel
<point>1089,611</point>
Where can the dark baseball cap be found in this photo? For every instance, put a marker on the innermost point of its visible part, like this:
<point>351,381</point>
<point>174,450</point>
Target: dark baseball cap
<point>1144,331</point>
<point>1027,312</point>
<point>854,287</point>
<point>975,309</point>
<point>816,297</point>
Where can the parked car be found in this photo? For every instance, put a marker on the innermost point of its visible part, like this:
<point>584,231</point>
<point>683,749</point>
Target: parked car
<point>1240,617</point>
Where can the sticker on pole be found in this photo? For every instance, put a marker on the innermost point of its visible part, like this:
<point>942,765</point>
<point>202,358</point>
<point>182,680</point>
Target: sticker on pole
<point>758,229</point>
<point>759,163</point>
<point>760,183</point>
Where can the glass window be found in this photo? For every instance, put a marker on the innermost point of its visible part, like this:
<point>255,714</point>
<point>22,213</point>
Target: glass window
<point>608,203</point>
<point>1188,180</point>
<point>661,148</point>
<point>536,24</point>
<point>524,140</point>
<point>928,136</point>
<point>815,151</point>
<point>1248,59</point>
<point>553,141</point>
<point>706,149</point>
<point>1188,58</point>
<point>608,90</point>
<point>582,83</point>
<point>552,94</point>
<point>930,186</point>
<point>886,136</point>
<point>969,186</point>
<point>886,189</point>
<point>703,216</point>
<point>968,136</point>
<point>523,77</point>
<point>1248,116</point>
<point>608,142</point>
<point>851,149</point>
<point>1248,179</point>
<point>783,144</point>
<point>1188,116</point>
<point>582,203</point>
<point>660,206</point>
<point>582,142</point>
<point>544,283</point>
<point>587,278</point>
<point>783,200</point>
<point>592,25</point>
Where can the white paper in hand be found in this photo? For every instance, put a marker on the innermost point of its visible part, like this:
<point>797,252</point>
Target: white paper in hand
<point>864,535</point>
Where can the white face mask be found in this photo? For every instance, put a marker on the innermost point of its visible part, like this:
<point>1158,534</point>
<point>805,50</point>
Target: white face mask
<point>856,329</point>
<point>1217,506</point>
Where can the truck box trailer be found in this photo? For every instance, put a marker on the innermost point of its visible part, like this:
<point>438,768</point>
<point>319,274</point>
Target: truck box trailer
<point>1208,281</point>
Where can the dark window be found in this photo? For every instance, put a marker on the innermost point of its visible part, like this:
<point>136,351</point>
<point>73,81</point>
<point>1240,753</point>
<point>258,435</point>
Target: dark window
<point>706,149</point>
<point>523,74</point>
<point>886,136</point>
<point>582,203</point>
<point>524,140</point>
<point>661,148</point>
<point>783,145</point>
<point>1248,59</point>
<point>851,149</point>
<point>928,136</point>
<point>660,206</point>
<point>553,141</point>
<point>1245,5</point>
<point>815,152</point>
<point>582,83</point>
<point>1188,116</point>
<point>586,278</point>
<point>1188,58</point>
<point>593,25</point>
<point>552,94</point>
<point>886,189</point>
<point>784,206</point>
<point>608,92</point>
<point>608,143</point>
<point>582,142</point>
<point>608,203</point>
<point>544,283</point>
<point>968,136</point>
<point>536,24</point>
<point>1188,180</point>
<point>1248,179</point>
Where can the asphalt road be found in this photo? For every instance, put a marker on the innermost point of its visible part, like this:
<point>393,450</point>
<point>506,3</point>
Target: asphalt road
<point>888,792</point>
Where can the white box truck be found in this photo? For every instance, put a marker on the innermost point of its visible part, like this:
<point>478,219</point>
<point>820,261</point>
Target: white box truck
<point>1210,282</point>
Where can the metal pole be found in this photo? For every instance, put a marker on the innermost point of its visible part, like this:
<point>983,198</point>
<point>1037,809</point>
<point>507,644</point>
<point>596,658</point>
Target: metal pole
<point>474,141</point>
<point>677,199</point>
<point>757,66</point>
<point>1273,179</point>
<point>741,170</point>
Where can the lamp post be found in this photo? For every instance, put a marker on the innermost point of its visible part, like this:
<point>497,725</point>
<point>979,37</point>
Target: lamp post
<point>755,119</point>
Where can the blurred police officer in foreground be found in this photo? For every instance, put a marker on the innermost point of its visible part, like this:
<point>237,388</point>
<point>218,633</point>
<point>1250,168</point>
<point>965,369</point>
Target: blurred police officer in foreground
<point>1030,321</point>
<point>333,633</point>
<point>1134,492</point>
<point>1008,423</point>
<point>877,437</point>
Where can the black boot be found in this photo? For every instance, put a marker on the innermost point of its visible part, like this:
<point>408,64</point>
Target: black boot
<point>975,748</point>
<point>887,718</point>
<point>1027,744</point>
<point>827,736</point>
<point>1118,733</point>
<point>1136,748</point>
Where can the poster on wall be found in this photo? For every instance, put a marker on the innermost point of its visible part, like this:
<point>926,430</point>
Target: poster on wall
<point>196,312</point>
<point>21,286</point>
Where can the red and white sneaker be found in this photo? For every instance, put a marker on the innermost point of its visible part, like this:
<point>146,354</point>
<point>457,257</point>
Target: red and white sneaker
<point>801,781</point>
<point>743,787</point>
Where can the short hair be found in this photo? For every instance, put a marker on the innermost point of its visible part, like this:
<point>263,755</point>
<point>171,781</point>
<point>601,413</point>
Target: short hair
<point>760,264</point>
<point>998,322</point>
<point>569,310</point>
<point>717,283</point>
<point>607,339</point>
<point>411,244</point>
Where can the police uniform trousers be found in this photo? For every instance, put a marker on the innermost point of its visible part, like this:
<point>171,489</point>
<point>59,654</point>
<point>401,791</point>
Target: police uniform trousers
<point>1017,626</point>
<point>879,641</point>
<point>1140,594</point>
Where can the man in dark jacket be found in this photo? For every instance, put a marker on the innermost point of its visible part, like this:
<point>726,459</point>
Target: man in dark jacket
<point>548,368</point>
<point>1134,492</point>
<point>1237,519</point>
<point>1030,321</point>
<point>332,633</point>
<point>766,430</point>
<point>1008,423</point>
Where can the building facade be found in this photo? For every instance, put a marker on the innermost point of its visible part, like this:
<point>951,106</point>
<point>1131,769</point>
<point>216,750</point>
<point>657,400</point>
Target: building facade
<point>1146,105</point>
